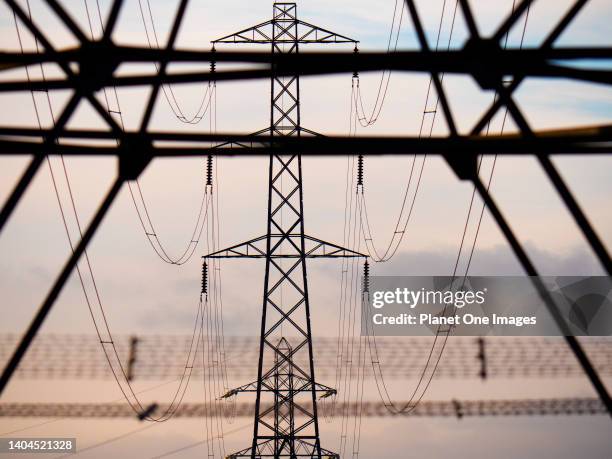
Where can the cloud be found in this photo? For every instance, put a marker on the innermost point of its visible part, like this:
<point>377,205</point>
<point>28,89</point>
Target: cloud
<point>494,261</point>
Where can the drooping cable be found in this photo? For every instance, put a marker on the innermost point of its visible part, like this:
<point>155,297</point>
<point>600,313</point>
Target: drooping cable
<point>135,189</point>
<point>348,305</point>
<point>107,342</point>
<point>383,85</point>
<point>64,418</point>
<point>415,399</point>
<point>217,384</point>
<point>361,368</point>
<point>205,381</point>
<point>359,212</point>
<point>167,90</point>
<point>348,196</point>
<point>350,321</point>
<point>348,204</point>
<point>403,219</point>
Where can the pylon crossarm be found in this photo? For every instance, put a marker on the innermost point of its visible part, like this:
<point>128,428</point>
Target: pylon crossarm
<point>248,249</point>
<point>242,144</point>
<point>264,449</point>
<point>254,34</point>
<point>316,34</point>
<point>252,387</point>
<point>307,33</point>
<point>324,249</point>
<point>256,248</point>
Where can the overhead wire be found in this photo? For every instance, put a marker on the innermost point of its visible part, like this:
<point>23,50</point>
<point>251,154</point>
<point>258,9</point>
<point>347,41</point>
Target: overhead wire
<point>411,404</point>
<point>135,189</point>
<point>206,384</point>
<point>354,209</point>
<point>347,318</point>
<point>345,378</point>
<point>107,441</point>
<point>215,383</point>
<point>138,407</point>
<point>385,78</point>
<point>111,354</point>
<point>350,168</point>
<point>215,376</point>
<point>198,443</point>
<point>214,231</point>
<point>167,90</point>
<point>362,365</point>
<point>144,217</point>
<point>357,335</point>
<point>400,228</point>
<point>398,236</point>
<point>208,203</point>
<point>64,418</point>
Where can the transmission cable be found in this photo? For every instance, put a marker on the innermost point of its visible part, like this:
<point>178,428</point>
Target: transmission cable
<point>64,418</point>
<point>198,443</point>
<point>345,278</point>
<point>381,386</point>
<point>169,95</point>
<point>381,94</point>
<point>400,228</point>
<point>136,193</point>
<point>135,404</point>
<point>345,357</point>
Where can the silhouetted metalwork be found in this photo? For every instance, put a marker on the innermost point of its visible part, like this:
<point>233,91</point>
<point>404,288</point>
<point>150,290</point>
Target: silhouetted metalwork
<point>453,408</point>
<point>98,61</point>
<point>287,387</point>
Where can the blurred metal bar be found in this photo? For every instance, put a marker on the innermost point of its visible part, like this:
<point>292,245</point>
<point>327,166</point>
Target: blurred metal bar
<point>588,140</point>
<point>452,408</point>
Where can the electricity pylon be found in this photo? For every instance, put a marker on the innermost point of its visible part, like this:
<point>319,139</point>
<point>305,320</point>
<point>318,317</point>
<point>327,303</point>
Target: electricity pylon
<point>286,422</point>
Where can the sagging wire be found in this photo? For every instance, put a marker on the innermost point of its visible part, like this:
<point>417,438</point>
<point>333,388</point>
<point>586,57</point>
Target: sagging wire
<point>210,379</point>
<point>167,90</point>
<point>385,78</point>
<point>135,189</point>
<point>229,408</point>
<point>355,208</point>
<point>411,404</point>
<point>348,351</point>
<point>365,291</point>
<point>107,342</point>
<point>148,227</point>
<point>343,286</point>
<point>416,171</point>
<point>346,358</point>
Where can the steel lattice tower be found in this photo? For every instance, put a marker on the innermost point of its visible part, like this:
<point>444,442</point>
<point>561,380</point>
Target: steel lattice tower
<point>286,422</point>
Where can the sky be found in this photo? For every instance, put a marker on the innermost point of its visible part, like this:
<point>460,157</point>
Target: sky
<point>142,295</point>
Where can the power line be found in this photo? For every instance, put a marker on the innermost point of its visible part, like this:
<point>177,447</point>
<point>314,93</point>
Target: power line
<point>521,64</point>
<point>400,229</point>
<point>110,352</point>
<point>58,419</point>
<point>437,355</point>
<point>142,210</point>
<point>169,95</point>
<point>381,94</point>
<point>198,443</point>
